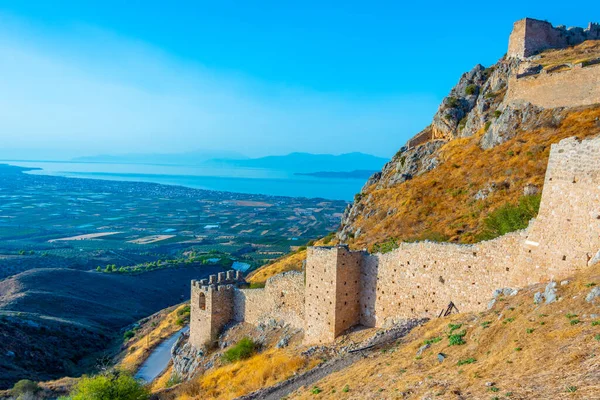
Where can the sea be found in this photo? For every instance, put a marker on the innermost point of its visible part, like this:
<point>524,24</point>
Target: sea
<point>240,180</point>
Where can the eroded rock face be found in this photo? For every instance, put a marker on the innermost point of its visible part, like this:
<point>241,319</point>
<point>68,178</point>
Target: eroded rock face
<point>459,103</point>
<point>512,117</point>
<point>404,166</point>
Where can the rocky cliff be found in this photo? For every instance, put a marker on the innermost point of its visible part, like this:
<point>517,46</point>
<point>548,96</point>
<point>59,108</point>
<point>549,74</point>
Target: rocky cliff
<point>482,148</point>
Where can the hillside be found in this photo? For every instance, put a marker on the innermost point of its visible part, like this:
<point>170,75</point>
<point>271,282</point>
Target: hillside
<point>518,349</point>
<point>44,311</point>
<point>484,146</point>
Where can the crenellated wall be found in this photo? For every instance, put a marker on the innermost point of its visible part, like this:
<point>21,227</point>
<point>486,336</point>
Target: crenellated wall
<point>345,288</point>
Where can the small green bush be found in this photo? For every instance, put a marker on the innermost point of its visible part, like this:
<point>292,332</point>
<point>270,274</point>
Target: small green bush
<point>385,247</point>
<point>510,218</point>
<point>497,114</point>
<point>128,335</point>
<point>454,327</point>
<point>485,324</point>
<point>457,339</point>
<point>115,385</point>
<point>595,323</point>
<point>433,340</point>
<point>346,389</point>
<point>25,386</point>
<point>467,361</point>
<point>487,125</point>
<point>471,89</point>
<point>453,102</point>
<point>316,390</point>
<point>242,350</point>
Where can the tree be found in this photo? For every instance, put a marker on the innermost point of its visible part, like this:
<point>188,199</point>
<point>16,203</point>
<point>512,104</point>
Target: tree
<point>115,385</point>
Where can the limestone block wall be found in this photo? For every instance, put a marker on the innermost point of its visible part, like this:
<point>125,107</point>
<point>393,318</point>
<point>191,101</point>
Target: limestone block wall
<point>418,280</point>
<point>320,294</point>
<point>566,233</point>
<point>530,36</point>
<point>282,299</point>
<point>578,86</point>
<point>211,308</point>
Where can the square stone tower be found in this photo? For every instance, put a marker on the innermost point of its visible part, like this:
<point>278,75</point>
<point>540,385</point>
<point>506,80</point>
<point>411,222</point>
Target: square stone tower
<point>211,306</point>
<point>332,292</point>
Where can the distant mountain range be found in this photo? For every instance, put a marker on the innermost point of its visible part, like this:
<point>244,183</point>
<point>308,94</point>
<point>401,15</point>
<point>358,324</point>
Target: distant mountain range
<point>356,174</point>
<point>293,162</point>
<point>309,163</point>
<point>189,158</point>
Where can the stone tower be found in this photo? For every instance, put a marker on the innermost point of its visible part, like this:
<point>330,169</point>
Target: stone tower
<point>211,306</point>
<point>530,36</point>
<point>332,292</point>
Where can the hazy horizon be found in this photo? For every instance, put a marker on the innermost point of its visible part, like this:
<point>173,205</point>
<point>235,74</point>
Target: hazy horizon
<point>81,80</point>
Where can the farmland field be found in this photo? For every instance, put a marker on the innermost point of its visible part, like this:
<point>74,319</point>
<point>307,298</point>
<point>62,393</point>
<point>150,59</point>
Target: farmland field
<point>51,221</point>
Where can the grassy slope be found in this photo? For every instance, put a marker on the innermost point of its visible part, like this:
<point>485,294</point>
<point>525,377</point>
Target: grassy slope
<point>290,262</point>
<point>528,351</point>
<point>441,202</point>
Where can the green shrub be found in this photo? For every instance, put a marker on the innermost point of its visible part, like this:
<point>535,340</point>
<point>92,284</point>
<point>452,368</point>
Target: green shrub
<point>487,125</point>
<point>457,339</point>
<point>433,340</point>
<point>385,247</point>
<point>467,361</point>
<point>454,327</point>
<point>175,379</point>
<point>510,218</point>
<point>25,386</point>
<point>257,285</point>
<point>471,89</point>
<point>242,350</point>
<point>316,390</point>
<point>128,335</point>
<point>453,102</point>
<point>497,113</point>
<point>114,385</point>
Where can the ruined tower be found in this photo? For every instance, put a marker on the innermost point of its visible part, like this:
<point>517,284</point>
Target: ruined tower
<point>332,292</point>
<point>211,306</point>
<point>530,36</point>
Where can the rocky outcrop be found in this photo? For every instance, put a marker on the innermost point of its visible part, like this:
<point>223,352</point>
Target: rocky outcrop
<point>457,105</point>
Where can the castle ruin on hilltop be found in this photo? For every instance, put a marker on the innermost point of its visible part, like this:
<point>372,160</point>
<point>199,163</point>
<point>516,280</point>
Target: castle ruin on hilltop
<point>340,288</point>
<point>530,36</point>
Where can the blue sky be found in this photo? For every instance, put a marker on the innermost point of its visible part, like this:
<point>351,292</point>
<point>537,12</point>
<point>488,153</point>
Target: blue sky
<point>272,77</point>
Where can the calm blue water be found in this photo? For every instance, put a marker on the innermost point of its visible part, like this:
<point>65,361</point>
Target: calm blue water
<point>241,180</point>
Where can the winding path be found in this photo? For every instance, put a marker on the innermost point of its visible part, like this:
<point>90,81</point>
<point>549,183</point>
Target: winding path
<point>158,361</point>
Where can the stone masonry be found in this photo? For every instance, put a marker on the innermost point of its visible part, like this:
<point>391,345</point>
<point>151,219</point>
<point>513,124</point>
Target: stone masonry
<point>341,288</point>
<point>530,36</point>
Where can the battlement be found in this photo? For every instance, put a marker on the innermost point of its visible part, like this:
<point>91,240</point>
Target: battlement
<point>341,288</point>
<point>231,277</point>
<point>530,36</point>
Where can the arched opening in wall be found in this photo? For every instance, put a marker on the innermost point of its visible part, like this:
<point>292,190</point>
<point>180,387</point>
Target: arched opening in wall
<point>202,301</point>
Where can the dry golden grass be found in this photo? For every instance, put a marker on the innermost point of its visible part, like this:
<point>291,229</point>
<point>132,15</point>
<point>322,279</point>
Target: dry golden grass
<point>141,347</point>
<point>290,262</point>
<point>243,377</point>
<point>442,200</point>
<point>528,351</point>
<point>585,51</point>
<point>162,381</point>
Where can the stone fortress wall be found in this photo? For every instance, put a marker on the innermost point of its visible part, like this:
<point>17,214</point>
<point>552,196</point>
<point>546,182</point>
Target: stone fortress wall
<point>577,86</point>
<point>562,86</point>
<point>418,280</point>
<point>342,288</point>
<point>219,301</point>
<point>530,36</point>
